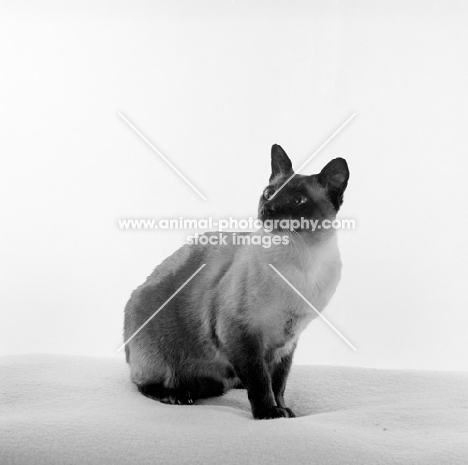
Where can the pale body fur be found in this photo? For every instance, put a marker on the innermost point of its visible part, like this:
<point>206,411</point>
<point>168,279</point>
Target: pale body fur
<point>236,285</point>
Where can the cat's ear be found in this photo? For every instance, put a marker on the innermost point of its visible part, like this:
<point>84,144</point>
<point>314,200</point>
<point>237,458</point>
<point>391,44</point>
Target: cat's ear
<point>280,162</point>
<point>334,177</point>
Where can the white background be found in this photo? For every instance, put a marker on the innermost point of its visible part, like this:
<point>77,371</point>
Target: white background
<point>213,85</point>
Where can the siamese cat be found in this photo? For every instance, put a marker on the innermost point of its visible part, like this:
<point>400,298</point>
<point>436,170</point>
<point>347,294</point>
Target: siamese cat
<point>236,323</point>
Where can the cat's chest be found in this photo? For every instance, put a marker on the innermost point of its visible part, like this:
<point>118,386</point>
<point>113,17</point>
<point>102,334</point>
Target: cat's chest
<point>307,276</point>
<point>296,290</point>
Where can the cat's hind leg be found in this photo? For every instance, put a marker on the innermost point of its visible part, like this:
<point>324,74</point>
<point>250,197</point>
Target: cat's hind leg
<point>185,393</point>
<point>203,387</point>
<point>174,396</point>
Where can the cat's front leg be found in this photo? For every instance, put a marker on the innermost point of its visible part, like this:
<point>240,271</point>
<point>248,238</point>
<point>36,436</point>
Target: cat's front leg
<point>279,376</point>
<point>246,354</point>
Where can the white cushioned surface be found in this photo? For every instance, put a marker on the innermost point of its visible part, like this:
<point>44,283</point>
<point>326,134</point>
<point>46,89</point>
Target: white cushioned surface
<point>69,409</point>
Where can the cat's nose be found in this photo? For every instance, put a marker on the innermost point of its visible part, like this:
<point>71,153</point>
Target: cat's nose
<point>270,209</point>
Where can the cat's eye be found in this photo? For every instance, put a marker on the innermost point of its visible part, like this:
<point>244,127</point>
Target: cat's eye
<point>268,193</point>
<point>298,199</point>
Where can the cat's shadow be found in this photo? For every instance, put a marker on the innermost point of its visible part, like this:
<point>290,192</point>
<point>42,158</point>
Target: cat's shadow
<point>234,398</point>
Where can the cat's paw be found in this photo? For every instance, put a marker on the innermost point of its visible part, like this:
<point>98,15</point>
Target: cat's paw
<point>273,412</point>
<point>178,398</point>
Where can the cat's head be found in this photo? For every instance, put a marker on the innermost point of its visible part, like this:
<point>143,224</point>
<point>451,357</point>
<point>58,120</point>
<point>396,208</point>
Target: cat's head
<point>315,197</point>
